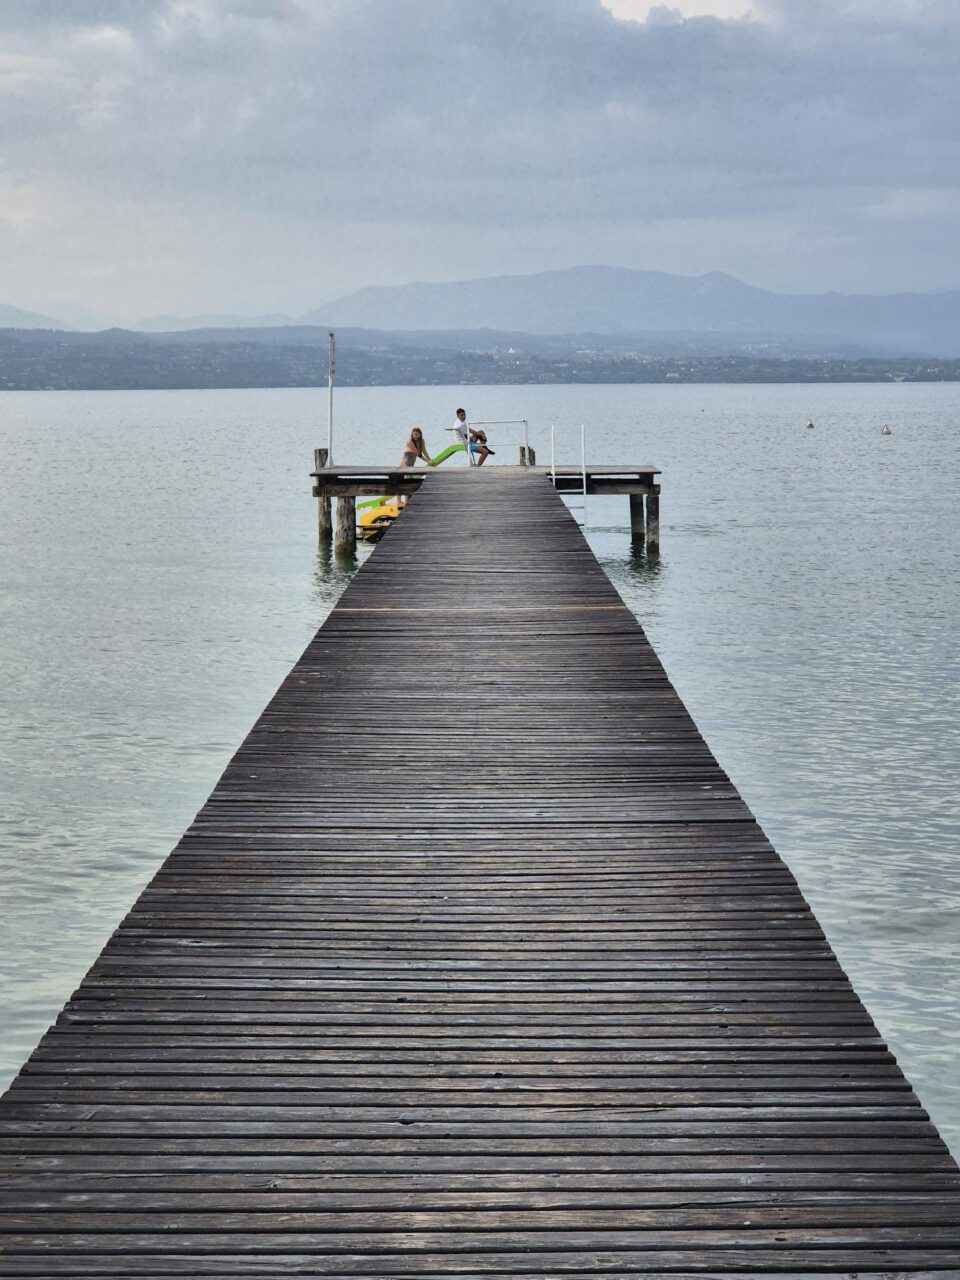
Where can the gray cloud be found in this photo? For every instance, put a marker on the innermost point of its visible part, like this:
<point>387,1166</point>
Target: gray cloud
<point>470,138</point>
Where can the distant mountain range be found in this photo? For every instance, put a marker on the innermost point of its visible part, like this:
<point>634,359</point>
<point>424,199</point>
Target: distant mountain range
<point>614,301</point>
<point>14,318</point>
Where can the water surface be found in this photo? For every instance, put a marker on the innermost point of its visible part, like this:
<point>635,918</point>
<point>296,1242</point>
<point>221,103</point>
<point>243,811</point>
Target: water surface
<point>159,575</point>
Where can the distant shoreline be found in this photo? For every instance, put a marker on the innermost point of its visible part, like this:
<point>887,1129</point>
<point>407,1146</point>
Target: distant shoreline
<point>585,382</point>
<point>781,381</point>
<point>49,360</point>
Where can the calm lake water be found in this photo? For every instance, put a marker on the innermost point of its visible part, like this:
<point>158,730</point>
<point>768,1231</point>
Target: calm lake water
<point>159,575</point>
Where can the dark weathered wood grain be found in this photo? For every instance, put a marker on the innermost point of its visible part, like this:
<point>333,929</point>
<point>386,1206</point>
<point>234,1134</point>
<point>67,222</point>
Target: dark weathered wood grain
<point>474,963</point>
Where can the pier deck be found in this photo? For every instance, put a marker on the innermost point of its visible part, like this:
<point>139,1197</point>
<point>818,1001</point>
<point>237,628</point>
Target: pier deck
<point>474,963</point>
<point>357,482</point>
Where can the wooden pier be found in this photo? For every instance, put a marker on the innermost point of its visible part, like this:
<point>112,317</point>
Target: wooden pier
<point>474,963</point>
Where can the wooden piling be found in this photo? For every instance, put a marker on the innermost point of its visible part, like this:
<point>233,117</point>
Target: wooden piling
<point>345,526</point>
<point>637,524</point>
<point>653,519</point>
<point>324,525</point>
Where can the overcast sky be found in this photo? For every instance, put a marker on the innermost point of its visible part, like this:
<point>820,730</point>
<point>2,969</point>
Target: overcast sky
<point>266,155</point>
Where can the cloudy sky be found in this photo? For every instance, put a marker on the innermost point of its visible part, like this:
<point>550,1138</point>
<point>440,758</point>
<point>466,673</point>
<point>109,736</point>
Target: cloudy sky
<point>261,155</point>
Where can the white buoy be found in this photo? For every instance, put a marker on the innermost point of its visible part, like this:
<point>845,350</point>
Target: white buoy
<point>810,426</point>
<point>886,431</point>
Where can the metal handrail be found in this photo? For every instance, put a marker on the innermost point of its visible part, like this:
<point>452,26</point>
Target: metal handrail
<point>510,422</point>
<point>583,468</point>
<point>498,422</point>
<point>582,506</point>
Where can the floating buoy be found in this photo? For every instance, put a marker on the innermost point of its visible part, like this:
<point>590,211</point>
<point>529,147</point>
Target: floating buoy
<point>886,431</point>
<point>810,426</point>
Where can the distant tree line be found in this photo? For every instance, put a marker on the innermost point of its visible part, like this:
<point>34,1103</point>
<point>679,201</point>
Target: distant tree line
<point>121,360</point>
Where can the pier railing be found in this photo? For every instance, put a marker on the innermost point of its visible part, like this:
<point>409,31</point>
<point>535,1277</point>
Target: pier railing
<point>571,506</point>
<point>527,456</point>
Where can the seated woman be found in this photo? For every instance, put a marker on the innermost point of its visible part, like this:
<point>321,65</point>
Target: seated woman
<point>415,448</point>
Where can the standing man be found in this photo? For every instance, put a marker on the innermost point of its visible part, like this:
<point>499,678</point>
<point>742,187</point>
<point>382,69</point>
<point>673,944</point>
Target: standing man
<point>475,442</point>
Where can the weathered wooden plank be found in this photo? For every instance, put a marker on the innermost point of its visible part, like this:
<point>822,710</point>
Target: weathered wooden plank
<point>540,1218</point>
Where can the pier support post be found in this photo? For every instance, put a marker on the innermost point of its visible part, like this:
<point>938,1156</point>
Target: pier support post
<point>324,526</point>
<point>345,526</point>
<point>528,456</point>
<point>638,528</point>
<point>653,519</point>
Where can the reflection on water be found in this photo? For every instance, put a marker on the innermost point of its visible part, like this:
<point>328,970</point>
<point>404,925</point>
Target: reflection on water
<point>333,571</point>
<point>643,563</point>
<point>809,628</point>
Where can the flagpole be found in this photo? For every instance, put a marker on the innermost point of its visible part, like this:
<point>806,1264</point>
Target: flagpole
<point>331,372</point>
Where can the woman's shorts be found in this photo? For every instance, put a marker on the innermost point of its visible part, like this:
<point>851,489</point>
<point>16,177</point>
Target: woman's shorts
<point>408,460</point>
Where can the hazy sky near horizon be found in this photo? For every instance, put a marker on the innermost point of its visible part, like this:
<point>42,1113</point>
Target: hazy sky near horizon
<point>253,156</point>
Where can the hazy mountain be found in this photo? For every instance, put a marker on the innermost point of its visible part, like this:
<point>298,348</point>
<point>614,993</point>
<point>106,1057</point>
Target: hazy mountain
<point>181,324</point>
<point>14,318</point>
<point>645,310</point>
<point>615,300</point>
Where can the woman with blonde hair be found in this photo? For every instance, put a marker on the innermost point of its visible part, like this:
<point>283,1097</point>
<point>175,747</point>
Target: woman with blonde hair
<point>415,448</point>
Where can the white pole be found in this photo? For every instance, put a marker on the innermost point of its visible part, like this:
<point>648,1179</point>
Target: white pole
<point>583,469</point>
<point>526,445</point>
<point>553,453</point>
<point>331,372</point>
